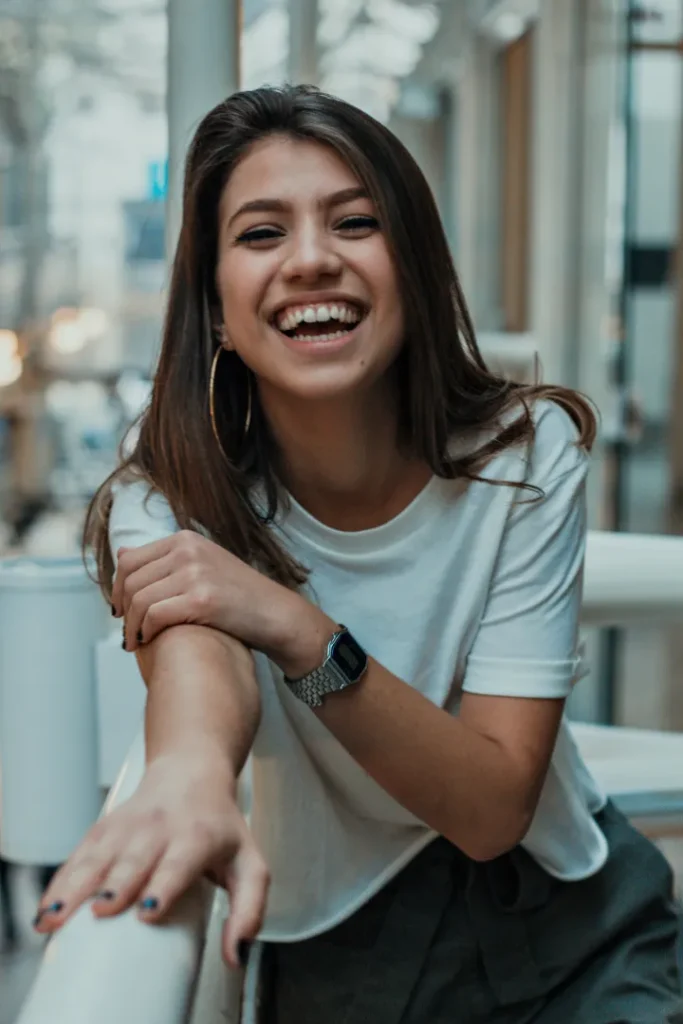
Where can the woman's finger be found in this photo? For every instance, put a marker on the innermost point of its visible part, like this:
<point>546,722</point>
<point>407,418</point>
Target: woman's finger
<point>247,881</point>
<point>162,614</point>
<point>129,560</point>
<point>76,881</point>
<point>148,574</point>
<point>182,864</point>
<point>143,602</point>
<point>128,874</point>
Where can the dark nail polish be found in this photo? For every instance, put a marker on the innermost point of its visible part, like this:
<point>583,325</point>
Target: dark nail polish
<point>243,947</point>
<point>38,918</point>
<point>123,643</point>
<point>149,903</point>
<point>139,637</point>
<point>106,894</point>
<point>54,908</point>
<point>113,610</point>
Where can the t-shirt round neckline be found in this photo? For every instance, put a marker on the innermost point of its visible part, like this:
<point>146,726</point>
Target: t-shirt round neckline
<point>296,520</point>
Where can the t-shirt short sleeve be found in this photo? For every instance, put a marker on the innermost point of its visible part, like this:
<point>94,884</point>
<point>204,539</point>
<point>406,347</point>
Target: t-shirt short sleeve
<point>527,642</point>
<point>138,516</point>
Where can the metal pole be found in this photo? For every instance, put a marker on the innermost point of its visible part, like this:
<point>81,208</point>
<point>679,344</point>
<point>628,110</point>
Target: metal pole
<point>303,42</point>
<point>203,68</point>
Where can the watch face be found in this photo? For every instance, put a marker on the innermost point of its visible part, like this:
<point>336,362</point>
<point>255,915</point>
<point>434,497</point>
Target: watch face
<point>349,657</point>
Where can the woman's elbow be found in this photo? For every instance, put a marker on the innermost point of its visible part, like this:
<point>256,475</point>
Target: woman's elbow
<point>501,833</point>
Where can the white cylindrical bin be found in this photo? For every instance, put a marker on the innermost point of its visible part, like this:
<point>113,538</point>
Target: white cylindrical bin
<point>51,616</point>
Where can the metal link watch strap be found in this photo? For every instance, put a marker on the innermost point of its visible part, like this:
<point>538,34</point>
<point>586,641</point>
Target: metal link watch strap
<point>314,687</point>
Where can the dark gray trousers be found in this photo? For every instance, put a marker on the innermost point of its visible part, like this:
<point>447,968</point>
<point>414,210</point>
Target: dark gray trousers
<point>450,941</point>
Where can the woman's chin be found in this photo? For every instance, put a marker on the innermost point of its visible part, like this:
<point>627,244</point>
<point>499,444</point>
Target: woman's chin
<point>329,383</point>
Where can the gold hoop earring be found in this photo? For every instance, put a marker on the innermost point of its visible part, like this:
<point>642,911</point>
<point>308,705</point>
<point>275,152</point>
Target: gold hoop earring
<point>247,418</point>
<point>212,401</point>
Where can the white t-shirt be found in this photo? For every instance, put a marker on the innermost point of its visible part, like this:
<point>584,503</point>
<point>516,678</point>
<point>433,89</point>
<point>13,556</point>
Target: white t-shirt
<point>472,587</point>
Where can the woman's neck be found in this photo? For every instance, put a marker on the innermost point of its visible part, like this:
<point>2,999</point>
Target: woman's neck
<point>341,460</point>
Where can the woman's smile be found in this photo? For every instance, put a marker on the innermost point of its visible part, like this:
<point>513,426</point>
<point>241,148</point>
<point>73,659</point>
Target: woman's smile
<point>320,326</point>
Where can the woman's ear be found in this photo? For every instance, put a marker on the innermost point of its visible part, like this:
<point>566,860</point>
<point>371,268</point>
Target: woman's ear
<point>221,334</point>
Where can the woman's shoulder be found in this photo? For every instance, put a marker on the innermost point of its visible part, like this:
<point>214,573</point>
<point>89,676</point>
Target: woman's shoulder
<point>556,446</point>
<point>552,422</point>
<point>551,446</point>
<point>139,514</point>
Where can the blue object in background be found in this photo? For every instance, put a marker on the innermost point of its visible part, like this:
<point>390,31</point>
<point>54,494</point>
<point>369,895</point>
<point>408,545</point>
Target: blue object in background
<point>157,179</point>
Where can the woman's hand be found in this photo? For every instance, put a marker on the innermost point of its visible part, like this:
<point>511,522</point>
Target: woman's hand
<point>186,578</point>
<point>183,822</point>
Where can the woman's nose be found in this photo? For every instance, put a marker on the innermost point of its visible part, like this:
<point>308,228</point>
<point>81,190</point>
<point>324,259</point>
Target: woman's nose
<point>311,256</point>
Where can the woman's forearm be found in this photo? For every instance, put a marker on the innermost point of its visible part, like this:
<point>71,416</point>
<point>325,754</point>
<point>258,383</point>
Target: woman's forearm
<point>477,791</point>
<point>202,695</point>
<point>475,778</point>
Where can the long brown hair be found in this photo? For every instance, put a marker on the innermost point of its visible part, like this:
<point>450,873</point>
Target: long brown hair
<point>445,387</point>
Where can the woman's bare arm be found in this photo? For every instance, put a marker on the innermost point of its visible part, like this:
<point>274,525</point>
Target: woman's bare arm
<point>202,695</point>
<point>183,821</point>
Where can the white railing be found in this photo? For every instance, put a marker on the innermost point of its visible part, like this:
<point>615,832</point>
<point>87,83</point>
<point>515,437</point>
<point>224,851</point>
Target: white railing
<point>632,579</point>
<point>123,970</point>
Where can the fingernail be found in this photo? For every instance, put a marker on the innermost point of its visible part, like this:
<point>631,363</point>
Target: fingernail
<point>106,894</point>
<point>113,610</point>
<point>123,642</point>
<point>243,947</point>
<point>37,919</point>
<point>139,636</point>
<point>54,908</point>
<point>149,903</point>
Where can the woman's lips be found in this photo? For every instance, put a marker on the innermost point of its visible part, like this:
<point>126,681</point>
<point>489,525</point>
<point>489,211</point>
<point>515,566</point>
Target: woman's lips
<point>317,345</point>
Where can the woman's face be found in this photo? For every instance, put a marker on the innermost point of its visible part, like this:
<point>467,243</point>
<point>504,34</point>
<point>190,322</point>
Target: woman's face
<point>308,289</point>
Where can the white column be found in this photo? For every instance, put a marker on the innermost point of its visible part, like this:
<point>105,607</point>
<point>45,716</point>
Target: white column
<point>303,45</point>
<point>600,215</point>
<point>556,170</point>
<point>478,200</point>
<point>203,69</point>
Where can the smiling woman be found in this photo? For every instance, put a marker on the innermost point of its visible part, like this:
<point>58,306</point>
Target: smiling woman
<point>326,445</point>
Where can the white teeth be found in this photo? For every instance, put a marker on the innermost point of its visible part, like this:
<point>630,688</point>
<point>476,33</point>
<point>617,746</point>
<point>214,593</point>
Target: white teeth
<point>318,314</point>
<point>320,337</point>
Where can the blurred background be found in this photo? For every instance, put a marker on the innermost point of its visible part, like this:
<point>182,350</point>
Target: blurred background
<point>550,133</point>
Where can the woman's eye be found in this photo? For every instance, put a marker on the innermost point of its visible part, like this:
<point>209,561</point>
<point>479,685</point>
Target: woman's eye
<point>358,223</point>
<point>260,234</point>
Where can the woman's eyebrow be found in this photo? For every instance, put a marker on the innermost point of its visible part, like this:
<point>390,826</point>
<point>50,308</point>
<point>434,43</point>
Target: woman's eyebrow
<point>265,205</point>
<point>346,195</point>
